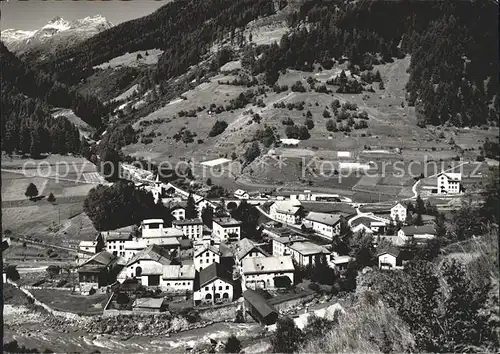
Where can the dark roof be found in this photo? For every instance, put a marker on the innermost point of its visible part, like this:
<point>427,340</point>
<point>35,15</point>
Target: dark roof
<point>214,271</point>
<point>90,268</point>
<point>188,222</point>
<point>416,230</point>
<point>394,251</point>
<point>103,258</point>
<point>152,252</point>
<point>259,303</point>
<point>117,236</point>
<point>246,246</point>
<point>227,221</point>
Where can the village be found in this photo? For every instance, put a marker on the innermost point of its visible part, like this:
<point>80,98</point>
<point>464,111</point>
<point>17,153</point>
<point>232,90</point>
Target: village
<point>192,263</point>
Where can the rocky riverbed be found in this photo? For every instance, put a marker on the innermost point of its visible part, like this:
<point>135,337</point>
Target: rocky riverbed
<point>151,333</point>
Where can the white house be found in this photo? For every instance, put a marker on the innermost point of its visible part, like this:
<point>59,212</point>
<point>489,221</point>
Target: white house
<point>449,183</point>
<point>306,253</point>
<point>146,266</point>
<point>286,211</point>
<point>324,224</point>
<point>241,194</point>
<point>115,243</point>
<point>268,272</point>
<point>177,278</point>
<point>398,212</point>
<point>249,249</point>
<point>205,256</point>
<point>87,249</point>
<point>390,258</point>
<point>423,233</point>
<point>216,285</point>
<point>191,228</point>
<point>227,229</point>
<point>281,244</point>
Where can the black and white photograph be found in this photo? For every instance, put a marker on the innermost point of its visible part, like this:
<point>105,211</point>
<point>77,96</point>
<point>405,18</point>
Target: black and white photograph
<point>250,176</point>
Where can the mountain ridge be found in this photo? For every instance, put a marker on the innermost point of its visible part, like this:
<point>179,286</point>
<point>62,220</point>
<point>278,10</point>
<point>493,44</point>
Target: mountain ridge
<point>56,34</point>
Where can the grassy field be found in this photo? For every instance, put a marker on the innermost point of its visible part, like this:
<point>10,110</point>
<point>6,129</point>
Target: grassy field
<point>68,178</point>
<point>63,300</point>
<point>131,60</point>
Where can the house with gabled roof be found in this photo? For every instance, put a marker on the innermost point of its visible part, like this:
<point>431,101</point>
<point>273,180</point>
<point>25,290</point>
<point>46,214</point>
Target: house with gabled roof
<point>392,258</point>
<point>241,194</point>
<point>398,212</point>
<point>259,307</point>
<point>286,211</point>
<point>449,183</point>
<point>98,271</point>
<point>419,233</point>
<point>205,256</point>
<point>268,272</point>
<point>146,266</point>
<point>325,224</point>
<point>216,285</point>
<point>249,249</point>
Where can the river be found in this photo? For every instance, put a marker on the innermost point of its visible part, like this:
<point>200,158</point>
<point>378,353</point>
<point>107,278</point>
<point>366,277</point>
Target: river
<point>31,333</point>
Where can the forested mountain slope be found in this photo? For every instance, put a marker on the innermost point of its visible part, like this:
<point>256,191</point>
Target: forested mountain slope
<point>454,66</point>
<point>183,29</point>
<point>27,97</point>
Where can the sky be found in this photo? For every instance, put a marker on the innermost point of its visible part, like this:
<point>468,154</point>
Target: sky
<point>33,14</point>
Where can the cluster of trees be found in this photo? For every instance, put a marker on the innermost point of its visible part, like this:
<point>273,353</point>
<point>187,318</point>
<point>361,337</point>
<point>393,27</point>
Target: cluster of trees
<point>297,132</point>
<point>121,204</point>
<point>218,128</point>
<point>266,136</point>
<point>252,152</point>
<point>249,217</point>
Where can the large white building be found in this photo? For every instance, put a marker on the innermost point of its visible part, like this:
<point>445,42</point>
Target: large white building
<point>286,211</point>
<point>268,272</point>
<point>449,183</point>
<point>325,224</point>
<point>399,212</point>
<point>226,229</point>
<point>191,228</point>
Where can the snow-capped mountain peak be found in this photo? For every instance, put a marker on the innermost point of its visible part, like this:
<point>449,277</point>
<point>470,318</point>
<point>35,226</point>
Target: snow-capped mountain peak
<point>57,31</point>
